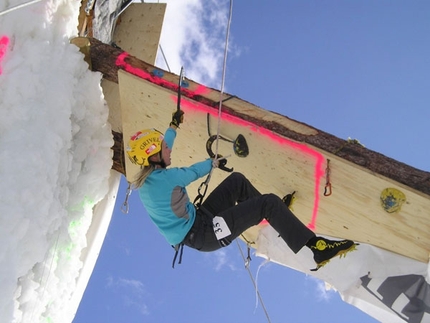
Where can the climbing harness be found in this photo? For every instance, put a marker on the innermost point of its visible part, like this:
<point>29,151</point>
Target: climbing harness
<point>179,248</point>
<point>327,188</point>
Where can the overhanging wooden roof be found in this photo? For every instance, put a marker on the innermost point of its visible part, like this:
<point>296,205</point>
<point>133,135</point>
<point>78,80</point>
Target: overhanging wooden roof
<point>358,175</point>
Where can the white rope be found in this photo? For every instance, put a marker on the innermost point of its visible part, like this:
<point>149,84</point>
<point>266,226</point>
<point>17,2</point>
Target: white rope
<point>164,56</point>
<point>221,94</point>
<point>257,292</point>
<point>256,283</point>
<point>54,252</point>
<point>18,7</point>
<point>223,75</point>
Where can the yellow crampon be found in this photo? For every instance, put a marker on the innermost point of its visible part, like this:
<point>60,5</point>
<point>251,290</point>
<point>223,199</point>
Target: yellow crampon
<point>341,253</point>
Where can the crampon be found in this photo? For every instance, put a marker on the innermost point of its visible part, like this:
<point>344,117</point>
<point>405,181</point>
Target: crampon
<point>324,250</point>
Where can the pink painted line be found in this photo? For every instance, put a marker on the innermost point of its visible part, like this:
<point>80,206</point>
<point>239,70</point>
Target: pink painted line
<point>318,157</point>
<point>4,42</point>
<point>120,62</point>
<point>188,105</point>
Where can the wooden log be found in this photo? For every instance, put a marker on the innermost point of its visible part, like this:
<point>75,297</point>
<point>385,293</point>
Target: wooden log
<point>118,153</point>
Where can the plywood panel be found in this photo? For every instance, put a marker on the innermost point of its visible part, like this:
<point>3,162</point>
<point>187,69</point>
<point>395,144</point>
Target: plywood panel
<point>279,165</point>
<point>137,32</point>
<point>139,28</point>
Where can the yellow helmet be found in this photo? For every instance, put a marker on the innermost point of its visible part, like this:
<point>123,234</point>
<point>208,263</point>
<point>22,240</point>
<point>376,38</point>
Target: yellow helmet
<point>144,144</point>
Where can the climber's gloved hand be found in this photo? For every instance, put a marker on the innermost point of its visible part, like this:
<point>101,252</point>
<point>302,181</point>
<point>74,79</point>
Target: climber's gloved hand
<point>216,161</point>
<point>220,161</point>
<point>177,118</point>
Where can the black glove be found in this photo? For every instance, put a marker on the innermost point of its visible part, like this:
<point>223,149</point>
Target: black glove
<point>177,118</point>
<point>221,162</point>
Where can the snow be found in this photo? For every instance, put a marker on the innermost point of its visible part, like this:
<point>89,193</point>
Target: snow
<point>55,159</point>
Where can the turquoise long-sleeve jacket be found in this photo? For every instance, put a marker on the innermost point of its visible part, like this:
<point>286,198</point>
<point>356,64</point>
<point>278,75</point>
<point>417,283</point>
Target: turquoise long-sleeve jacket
<point>165,197</point>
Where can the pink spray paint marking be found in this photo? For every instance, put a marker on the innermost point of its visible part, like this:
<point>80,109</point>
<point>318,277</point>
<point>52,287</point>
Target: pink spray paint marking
<point>319,158</point>
<point>4,42</point>
<point>120,62</point>
<point>303,149</point>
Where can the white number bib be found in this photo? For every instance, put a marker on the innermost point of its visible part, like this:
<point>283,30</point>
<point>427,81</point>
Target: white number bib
<point>220,228</point>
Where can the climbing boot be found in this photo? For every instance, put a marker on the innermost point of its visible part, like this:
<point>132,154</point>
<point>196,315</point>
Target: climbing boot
<point>325,249</point>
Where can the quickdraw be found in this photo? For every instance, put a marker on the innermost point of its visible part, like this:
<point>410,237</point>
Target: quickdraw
<point>125,206</point>
<point>327,188</point>
<point>200,195</point>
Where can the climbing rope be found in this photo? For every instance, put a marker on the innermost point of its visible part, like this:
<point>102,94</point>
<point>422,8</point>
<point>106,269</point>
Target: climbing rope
<point>221,94</point>
<point>44,263</point>
<point>247,261</point>
<point>204,186</point>
<point>18,7</point>
<point>164,57</point>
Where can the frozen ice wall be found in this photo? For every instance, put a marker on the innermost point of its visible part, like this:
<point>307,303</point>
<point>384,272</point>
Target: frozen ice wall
<point>55,158</point>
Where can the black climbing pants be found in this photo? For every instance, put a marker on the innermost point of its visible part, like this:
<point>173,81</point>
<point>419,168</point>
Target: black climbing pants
<point>242,206</point>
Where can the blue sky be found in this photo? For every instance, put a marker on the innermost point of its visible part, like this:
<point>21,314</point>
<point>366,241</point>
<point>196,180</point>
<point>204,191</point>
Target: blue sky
<point>356,69</point>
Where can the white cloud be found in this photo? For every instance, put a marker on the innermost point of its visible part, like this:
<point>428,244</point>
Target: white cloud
<point>193,36</point>
<point>135,285</point>
<point>324,291</point>
<point>132,292</point>
<point>221,259</point>
<point>136,303</point>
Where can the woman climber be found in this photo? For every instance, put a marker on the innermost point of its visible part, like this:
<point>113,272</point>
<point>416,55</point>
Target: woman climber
<point>231,208</point>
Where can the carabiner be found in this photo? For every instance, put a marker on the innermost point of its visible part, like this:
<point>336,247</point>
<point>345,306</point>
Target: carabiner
<point>327,188</point>
<point>125,206</point>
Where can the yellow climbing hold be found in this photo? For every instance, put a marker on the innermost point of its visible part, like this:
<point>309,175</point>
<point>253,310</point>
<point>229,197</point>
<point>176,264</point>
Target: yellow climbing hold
<point>392,199</point>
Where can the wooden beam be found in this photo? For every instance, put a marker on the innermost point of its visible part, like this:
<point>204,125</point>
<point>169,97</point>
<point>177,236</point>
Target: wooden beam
<point>108,60</point>
<point>118,153</point>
